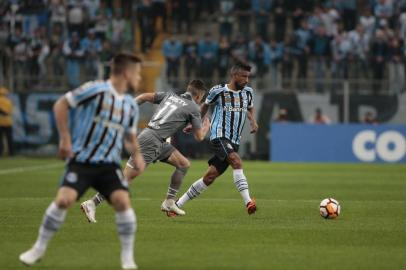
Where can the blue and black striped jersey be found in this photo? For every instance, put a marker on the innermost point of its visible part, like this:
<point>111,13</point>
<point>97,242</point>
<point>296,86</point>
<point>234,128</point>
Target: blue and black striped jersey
<point>229,112</point>
<point>99,118</point>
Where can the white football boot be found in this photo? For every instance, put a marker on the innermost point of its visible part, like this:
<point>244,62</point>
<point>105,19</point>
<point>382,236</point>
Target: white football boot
<point>89,209</point>
<point>169,206</point>
<point>127,262</point>
<point>31,256</point>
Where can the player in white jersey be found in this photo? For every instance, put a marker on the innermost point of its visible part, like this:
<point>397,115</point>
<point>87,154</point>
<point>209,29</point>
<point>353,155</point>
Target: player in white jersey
<point>173,113</point>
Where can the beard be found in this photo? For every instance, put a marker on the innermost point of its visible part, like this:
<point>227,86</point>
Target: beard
<point>239,86</point>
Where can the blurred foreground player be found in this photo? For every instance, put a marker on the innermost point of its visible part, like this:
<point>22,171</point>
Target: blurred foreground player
<point>101,116</point>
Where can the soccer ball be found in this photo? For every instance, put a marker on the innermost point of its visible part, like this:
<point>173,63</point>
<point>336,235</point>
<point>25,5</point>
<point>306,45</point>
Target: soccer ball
<point>330,208</point>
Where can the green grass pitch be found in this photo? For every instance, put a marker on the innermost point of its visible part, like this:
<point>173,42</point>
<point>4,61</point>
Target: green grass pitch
<point>286,232</point>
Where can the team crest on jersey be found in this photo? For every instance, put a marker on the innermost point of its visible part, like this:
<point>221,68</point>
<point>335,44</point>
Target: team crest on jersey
<point>71,177</point>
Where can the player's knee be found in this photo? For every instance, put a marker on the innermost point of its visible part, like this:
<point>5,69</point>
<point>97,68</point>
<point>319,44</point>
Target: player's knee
<point>210,177</point>
<point>120,200</point>
<point>184,165</point>
<point>64,203</point>
<point>235,161</point>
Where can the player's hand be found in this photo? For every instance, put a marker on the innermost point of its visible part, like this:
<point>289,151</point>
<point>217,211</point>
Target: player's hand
<point>254,127</point>
<point>138,163</point>
<point>65,148</point>
<point>188,129</point>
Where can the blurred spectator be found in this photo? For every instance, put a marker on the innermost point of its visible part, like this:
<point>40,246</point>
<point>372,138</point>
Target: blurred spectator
<point>289,53</point>
<point>396,67</point>
<point>402,26</point>
<point>6,123</point>
<point>259,54</point>
<point>262,9</point>
<point>56,58</point>
<point>102,25</point>
<point>226,18</point>
<point>359,50</point>
<point>119,31</point>
<point>224,57</point>
<point>38,50</point>
<point>17,47</point>
<point>243,13</point>
<point>3,51</point>
<point>321,49</point>
<point>379,55</point>
<point>92,46</point>
<point>181,15</point>
<point>369,118</point>
<point>319,118</point>
<point>76,19</point>
<point>106,55</point>
<point>159,8</point>
<point>384,10</point>
<point>58,13</point>
<point>172,51</point>
<point>297,17</point>
<point>349,14</point>
<point>280,18</point>
<point>205,8</point>
<point>303,37</point>
<point>190,53</point>
<point>145,16</point>
<point>368,22</point>
<point>239,49</point>
<point>74,53</point>
<point>207,51</point>
<point>275,57</point>
<point>341,49</point>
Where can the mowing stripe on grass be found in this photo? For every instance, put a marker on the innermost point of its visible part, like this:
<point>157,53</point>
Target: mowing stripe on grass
<point>30,168</point>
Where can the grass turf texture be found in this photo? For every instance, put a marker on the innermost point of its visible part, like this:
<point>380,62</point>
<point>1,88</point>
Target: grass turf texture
<point>286,233</point>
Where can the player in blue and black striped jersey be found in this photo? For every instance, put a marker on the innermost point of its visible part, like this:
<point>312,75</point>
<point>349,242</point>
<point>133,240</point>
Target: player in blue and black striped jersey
<point>232,104</point>
<point>92,122</point>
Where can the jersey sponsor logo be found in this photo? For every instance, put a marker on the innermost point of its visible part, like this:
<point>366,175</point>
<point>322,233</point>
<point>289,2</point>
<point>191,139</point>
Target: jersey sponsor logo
<point>234,109</point>
<point>71,177</point>
<point>229,146</point>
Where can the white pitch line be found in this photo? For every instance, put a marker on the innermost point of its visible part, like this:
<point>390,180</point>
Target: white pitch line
<point>29,168</point>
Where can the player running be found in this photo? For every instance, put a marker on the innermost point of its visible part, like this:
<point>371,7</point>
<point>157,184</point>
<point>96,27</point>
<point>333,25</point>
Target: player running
<point>101,116</point>
<point>232,103</point>
<point>173,113</point>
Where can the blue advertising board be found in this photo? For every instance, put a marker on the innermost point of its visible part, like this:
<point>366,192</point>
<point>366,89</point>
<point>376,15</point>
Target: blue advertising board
<point>338,143</point>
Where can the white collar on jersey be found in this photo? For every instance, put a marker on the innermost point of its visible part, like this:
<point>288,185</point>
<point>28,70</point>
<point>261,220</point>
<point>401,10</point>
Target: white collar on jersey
<point>114,91</point>
<point>235,91</point>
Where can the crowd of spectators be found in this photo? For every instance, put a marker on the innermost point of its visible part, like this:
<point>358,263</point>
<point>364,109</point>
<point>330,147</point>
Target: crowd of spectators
<point>43,39</point>
<point>285,40</point>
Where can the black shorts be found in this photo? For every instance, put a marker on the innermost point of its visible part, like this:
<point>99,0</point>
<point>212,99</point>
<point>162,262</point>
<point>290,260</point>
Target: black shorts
<point>221,147</point>
<point>105,178</point>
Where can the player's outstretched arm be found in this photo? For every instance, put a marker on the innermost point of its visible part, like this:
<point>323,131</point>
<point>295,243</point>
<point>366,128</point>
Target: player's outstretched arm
<point>200,133</point>
<point>203,109</point>
<point>146,97</point>
<point>61,110</point>
<point>253,122</point>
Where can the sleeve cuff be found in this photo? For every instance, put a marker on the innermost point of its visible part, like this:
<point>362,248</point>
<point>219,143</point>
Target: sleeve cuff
<point>69,97</point>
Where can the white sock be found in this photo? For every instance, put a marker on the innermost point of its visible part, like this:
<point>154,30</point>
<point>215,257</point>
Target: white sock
<point>52,221</point>
<point>241,183</point>
<point>126,226</point>
<point>195,190</point>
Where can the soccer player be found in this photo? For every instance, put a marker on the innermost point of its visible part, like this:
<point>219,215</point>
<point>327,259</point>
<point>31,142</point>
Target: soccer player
<point>172,114</point>
<point>232,103</point>
<point>101,115</point>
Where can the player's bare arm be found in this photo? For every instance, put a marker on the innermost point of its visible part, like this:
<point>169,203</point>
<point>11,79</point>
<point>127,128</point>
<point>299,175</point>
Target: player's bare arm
<point>61,110</point>
<point>203,109</point>
<point>253,121</point>
<point>146,97</point>
<point>200,133</point>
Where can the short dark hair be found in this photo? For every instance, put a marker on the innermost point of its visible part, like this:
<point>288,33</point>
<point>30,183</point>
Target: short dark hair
<point>122,61</point>
<point>196,87</point>
<point>237,67</point>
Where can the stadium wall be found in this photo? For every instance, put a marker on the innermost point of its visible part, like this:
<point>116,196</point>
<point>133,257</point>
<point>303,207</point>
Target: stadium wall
<point>34,129</point>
